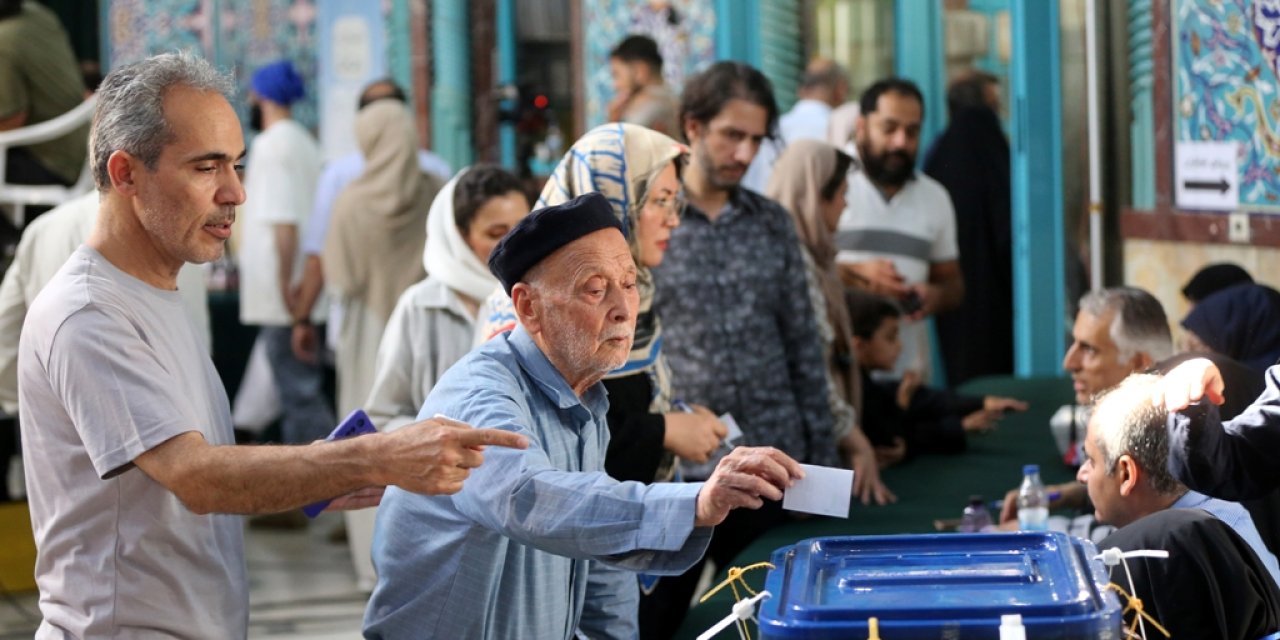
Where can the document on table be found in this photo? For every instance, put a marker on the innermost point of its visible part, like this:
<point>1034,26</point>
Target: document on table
<point>825,491</point>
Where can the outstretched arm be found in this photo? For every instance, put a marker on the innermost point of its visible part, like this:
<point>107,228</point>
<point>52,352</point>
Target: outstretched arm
<point>1235,460</point>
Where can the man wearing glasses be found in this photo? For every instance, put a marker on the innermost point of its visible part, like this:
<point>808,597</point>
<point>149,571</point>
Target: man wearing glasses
<point>739,332</point>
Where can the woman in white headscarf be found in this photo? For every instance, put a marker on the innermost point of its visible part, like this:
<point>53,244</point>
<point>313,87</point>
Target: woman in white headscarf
<point>433,323</point>
<point>638,170</point>
<point>431,326</point>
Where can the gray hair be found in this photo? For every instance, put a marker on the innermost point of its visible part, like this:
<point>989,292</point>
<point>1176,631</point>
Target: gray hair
<point>129,116</point>
<point>1139,324</point>
<point>1127,422</point>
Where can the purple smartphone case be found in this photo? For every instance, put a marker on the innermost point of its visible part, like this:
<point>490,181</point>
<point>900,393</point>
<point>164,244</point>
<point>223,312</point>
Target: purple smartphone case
<point>356,424</point>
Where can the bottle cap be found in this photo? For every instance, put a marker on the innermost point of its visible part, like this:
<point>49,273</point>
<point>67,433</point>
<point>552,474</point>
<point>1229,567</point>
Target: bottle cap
<point>1030,469</point>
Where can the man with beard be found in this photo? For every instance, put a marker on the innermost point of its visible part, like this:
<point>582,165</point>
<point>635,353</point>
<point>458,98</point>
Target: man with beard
<point>130,461</point>
<point>897,236</point>
<point>740,334</point>
<point>514,554</point>
<point>280,183</point>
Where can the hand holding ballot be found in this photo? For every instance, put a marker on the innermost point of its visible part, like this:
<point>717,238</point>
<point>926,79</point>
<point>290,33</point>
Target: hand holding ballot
<point>745,478</point>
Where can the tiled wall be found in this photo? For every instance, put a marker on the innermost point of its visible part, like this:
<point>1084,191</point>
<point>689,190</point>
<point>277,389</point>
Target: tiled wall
<point>687,46</point>
<point>238,35</point>
<point>1163,267</point>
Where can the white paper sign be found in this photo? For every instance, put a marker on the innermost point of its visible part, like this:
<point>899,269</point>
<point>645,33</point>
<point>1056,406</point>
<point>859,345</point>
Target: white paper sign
<point>826,491</point>
<point>1207,175</point>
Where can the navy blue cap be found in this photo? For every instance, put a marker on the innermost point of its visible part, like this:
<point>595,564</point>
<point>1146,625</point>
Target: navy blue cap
<point>540,233</point>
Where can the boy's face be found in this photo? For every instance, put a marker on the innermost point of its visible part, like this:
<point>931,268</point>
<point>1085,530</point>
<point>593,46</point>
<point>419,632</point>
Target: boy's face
<point>880,351</point>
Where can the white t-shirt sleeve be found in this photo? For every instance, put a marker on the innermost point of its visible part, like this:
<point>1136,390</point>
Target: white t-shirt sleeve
<point>944,244</point>
<point>114,388</point>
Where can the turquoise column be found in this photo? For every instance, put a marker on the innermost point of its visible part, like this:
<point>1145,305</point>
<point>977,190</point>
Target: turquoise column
<point>400,47</point>
<point>507,45</point>
<point>738,31</point>
<point>1142,137</point>
<point>1039,282</point>
<point>451,93</point>
<point>920,56</point>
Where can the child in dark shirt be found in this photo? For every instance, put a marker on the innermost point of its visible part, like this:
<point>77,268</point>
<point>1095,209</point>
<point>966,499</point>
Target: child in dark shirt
<point>903,418</point>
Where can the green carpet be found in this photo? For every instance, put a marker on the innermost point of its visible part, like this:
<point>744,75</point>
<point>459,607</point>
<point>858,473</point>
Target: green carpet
<point>928,487</point>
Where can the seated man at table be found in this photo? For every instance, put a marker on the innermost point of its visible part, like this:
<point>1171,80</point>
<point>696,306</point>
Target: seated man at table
<point>1118,331</point>
<point>1126,467</point>
<point>512,556</point>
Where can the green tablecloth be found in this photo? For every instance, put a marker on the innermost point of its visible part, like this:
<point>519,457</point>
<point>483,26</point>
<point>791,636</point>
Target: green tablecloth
<point>929,487</point>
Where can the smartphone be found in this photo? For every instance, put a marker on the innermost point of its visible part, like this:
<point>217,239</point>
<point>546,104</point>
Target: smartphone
<point>356,424</point>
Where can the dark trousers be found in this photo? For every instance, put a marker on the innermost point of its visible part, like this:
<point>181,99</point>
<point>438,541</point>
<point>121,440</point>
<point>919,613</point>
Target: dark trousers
<point>306,411</point>
<point>664,609</point>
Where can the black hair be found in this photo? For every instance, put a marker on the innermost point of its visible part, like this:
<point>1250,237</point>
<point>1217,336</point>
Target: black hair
<point>868,311</point>
<point>395,93</point>
<point>706,93</point>
<point>1214,278</point>
<point>476,187</point>
<point>639,48</point>
<point>970,91</point>
<point>871,97</point>
<point>843,162</point>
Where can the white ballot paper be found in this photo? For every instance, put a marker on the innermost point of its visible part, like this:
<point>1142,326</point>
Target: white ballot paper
<point>825,491</point>
<point>735,431</point>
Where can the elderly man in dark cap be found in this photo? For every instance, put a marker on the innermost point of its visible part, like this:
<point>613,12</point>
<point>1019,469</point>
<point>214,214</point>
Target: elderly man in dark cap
<point>511,555</point>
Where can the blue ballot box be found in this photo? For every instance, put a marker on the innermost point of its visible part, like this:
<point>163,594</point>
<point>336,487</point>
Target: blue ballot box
<point>949,586</point>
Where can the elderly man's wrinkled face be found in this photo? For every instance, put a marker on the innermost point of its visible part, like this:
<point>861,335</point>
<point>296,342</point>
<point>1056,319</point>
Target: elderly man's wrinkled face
<point>586,305</point>
<point>1093,360</point>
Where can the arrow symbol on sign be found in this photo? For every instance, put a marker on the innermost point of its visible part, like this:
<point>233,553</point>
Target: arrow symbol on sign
<point>1220,186</point>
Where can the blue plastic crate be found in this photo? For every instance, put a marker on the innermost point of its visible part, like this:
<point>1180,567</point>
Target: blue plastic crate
<point>950,586</point>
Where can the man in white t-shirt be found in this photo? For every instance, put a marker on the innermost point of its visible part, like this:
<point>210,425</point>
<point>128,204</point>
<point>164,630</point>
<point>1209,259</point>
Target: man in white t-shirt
<point>897,235</point>
<point>280,183</point>
<point>131,468</point>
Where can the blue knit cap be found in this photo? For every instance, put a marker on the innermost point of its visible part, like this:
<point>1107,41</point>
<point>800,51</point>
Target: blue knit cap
<point>279,82</point>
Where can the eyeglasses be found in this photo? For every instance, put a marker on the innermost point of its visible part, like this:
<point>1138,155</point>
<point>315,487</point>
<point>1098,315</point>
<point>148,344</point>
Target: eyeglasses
<point>673,206</point>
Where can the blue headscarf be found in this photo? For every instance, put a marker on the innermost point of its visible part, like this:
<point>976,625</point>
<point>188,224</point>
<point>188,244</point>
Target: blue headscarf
<point>279,82</point>
<point>1240,322</point>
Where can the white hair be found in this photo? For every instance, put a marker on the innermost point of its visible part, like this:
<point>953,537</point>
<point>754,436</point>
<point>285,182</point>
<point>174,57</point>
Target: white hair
<point>1126,422</point>
<point>1139,324</point>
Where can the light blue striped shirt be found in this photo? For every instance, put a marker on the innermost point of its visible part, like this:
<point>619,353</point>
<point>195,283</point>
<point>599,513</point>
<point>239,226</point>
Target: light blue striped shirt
<point>511,555</point>
<point>1234,515</point>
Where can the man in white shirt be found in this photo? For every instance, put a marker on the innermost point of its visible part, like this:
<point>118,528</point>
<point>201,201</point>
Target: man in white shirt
<point>897,235</point>
<point>281,174</point>
<point>824,87</point>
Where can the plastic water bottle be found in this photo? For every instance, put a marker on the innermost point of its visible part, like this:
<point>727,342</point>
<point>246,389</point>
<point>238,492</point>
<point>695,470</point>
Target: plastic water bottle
<point>1033,504</point>
<point>976,517</point>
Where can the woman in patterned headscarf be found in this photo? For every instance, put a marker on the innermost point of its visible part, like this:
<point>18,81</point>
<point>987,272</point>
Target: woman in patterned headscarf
<point>638,170</point>
<point>809,181</point>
